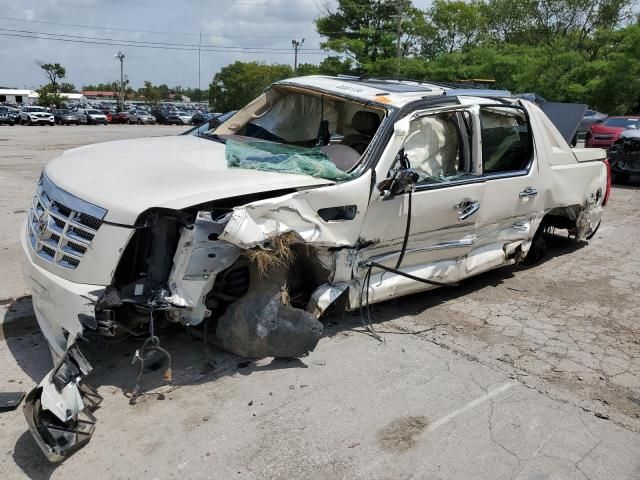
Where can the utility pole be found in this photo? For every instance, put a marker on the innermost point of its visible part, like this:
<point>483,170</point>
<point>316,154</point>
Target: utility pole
<point>399,33</point>
<point>296,45</point>
<point>120,56</point>
<point>199,88</point>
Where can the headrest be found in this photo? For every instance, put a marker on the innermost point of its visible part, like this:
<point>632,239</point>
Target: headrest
<point>365,122</point>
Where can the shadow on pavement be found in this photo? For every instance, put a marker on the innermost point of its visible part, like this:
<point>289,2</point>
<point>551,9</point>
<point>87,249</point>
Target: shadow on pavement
<point>29,458</point>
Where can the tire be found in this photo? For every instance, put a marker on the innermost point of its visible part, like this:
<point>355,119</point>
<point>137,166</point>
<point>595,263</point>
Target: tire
<point>538,247</point>
<point>29,121</point>
<point>139,122</point>
<point>52,124</point>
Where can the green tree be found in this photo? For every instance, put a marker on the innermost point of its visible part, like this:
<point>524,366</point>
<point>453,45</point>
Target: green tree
<point>48,96</point>
<point>150,93</point>
<point>240,82</point>
<point>363,30</point>
<point>66,87</point>
<point>53,71</point>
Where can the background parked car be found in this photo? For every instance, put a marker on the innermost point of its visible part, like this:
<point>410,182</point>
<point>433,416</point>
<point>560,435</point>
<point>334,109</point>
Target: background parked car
<point>185,117</point>
<point>602,134</point>
<point>590,117</point>
<point>120,117</point>
<point>91,116</point>
<point>624,156</point>
<point>6,116</point>
<point>63,116</point>
<point>140,117</point>
<point>36,115</point>
<point>108,114</point>
<point>166,117</point>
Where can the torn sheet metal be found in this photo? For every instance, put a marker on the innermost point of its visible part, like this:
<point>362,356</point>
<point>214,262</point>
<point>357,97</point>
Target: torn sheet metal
<point>258,222</point>
<point>200,256</point>
<point>324,296</point>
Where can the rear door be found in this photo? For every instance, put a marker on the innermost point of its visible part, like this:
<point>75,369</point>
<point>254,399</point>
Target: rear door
<point>511,199</point>
<point>440,145</point>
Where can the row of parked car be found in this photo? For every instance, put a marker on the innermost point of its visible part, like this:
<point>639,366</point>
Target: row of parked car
<point>36,115</point>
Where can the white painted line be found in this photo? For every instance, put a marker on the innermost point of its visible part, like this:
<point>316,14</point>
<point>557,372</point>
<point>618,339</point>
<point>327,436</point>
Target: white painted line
<point>474,403</point>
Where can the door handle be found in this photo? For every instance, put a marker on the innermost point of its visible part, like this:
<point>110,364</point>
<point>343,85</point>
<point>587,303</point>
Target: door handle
<point>468,209</point>
<point>528,192</point>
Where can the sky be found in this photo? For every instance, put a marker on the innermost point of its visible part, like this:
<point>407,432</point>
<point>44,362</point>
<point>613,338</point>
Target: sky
<point>231,30</point>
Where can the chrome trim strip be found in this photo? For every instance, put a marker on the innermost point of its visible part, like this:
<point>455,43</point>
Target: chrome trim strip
<point>68,200</point>
<point>465,242</point>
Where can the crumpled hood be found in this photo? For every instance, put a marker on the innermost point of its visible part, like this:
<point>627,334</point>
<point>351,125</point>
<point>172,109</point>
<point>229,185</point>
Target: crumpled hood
<point>128,177</point>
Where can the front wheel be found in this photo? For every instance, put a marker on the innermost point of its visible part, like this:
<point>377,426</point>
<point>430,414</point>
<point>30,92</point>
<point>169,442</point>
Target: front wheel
<point>29,121</point>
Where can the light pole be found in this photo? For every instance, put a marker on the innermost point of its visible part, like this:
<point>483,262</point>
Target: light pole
<point>296,45</point>
<point>120,56</point>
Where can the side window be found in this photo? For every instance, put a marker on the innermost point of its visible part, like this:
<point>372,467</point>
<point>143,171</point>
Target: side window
<point>506,139</point>
<point>435,147</point>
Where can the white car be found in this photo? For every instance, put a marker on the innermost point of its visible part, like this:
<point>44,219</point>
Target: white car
<point>321,191</point>
<point>185,117</point>
<point>36,116</point>
<point>91,116</point>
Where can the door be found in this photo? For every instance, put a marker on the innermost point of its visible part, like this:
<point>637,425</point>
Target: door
<point>510,169</point>
<point>441,147</point>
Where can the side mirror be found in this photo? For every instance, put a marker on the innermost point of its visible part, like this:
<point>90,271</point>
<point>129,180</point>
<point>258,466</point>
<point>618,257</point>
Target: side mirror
<point>402,181</point>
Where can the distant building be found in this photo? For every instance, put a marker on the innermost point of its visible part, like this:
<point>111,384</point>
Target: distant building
<point>30,97</point>
<point>14,95</point>
<point>99,95</point>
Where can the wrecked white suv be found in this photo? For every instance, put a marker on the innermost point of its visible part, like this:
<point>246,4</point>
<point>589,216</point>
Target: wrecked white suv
<point>321,191</point>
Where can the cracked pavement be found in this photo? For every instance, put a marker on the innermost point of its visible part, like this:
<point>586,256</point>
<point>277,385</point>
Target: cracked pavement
<point>519,373</point>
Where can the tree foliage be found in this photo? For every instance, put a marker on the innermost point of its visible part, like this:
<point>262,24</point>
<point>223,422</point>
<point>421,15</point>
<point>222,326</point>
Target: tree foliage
<point>238,83</point>
<point>53,71</point>
<point>49,96</point>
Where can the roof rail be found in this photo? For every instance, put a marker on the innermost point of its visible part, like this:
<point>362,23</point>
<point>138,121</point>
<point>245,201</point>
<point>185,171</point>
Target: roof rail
<point>454,85</point>
<point>477,92</point>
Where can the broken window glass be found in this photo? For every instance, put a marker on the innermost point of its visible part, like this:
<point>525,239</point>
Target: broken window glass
<point>278,157</point>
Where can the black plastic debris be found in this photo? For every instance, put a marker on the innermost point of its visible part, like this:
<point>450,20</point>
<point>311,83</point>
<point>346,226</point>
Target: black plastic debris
<point>10,400</point>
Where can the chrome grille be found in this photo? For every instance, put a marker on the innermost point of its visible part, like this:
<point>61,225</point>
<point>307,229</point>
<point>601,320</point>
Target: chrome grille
<point>61,226</point>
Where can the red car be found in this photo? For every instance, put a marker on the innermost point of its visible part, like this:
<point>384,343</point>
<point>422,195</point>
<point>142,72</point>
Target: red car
<point>603,134</point>
<point>109,116</point>
<point>121,117</point>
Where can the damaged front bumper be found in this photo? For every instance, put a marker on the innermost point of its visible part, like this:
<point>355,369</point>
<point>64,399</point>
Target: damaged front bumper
<point>59,410</point>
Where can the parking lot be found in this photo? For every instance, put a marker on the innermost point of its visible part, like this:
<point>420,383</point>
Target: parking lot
<point>524,372</point>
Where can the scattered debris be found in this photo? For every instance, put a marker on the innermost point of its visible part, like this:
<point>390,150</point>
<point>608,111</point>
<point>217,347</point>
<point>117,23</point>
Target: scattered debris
<point>10,400</point>
<point>604,416</point>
